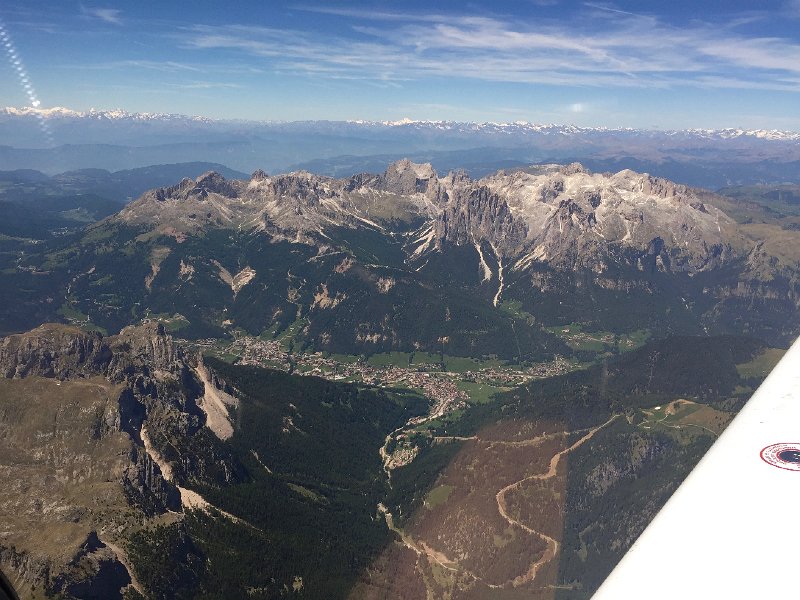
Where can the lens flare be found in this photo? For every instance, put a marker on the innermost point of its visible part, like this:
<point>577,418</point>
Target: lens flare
<point>16,63</point>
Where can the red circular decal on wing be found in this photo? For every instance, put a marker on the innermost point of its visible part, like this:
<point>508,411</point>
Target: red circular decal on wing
<point>784,456</point>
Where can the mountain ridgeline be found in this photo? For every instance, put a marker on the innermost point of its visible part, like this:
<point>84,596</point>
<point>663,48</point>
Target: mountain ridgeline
<point>412,261</point>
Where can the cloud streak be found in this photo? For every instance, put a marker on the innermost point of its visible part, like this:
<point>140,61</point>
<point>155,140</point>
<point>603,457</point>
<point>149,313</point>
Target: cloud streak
<point>627,51</point>
<point>109,15</point>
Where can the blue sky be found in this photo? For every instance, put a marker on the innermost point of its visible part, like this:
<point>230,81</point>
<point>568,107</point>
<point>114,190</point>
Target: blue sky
<point>636,64</point>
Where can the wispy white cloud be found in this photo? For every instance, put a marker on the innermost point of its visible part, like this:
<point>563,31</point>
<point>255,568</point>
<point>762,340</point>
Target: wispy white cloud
<point>206,85</point>
<point>167,66</point>
<point>629,50</point>
<point>608,8</point>
<point>109,15</point>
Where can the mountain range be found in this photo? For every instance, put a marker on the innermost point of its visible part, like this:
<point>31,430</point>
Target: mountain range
<point>410,260</point>
<point>702,157</point>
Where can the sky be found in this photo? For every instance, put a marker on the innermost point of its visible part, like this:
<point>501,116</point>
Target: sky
<point>646,64</point>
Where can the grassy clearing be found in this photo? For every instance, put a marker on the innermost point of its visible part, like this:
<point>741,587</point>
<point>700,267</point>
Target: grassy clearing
<point>290,336</point>
<point>171,323</point>
<point>574,336</point>
<point>686,419</point>
<point>669,413</point>
<point>461,364</point>
<point>513,308</point>
<point>780,242</point>
<point>480,393</point>
<point>599,341</point>
<point>76,317</point>
<point>72,314</point>
<point>307,493</point>
<point>221,352</point>
<point>762,364</point>
<point>438,495</point>
<point>344,358</point>
<point>501,541</point>
<point>23,240</point>
<point>634,339</point>
<point>426,358</point>
<point>270,333</point>
<point>708,418</point>
<point>390,359</point>
<point>439,424</point>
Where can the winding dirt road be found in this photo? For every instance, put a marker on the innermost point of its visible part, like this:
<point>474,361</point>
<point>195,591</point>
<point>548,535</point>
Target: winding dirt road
<point>421,549</point>
<point>552,544</point>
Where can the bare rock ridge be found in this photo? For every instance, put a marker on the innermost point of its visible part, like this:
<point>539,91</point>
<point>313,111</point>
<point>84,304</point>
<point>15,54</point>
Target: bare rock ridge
<point>62,352</point>
<point>78,450</point>
<point>565,217</point>
<point>477,215</point>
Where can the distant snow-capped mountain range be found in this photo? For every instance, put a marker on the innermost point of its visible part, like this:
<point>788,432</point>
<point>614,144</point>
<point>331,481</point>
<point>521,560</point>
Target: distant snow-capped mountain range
<point>54,140</point>
<point>516,127</point>
<point>59,112</point>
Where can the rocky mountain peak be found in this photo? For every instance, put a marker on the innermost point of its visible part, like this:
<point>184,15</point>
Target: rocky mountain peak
<point>300,186</point>
<point>216,183</point>
<point>572,168</point>
<point>406,177</point>
<point>170,192</point>
<point>147,344</point>
<point>650,185</point>
<point>572,217</point>
<point>258,175</point>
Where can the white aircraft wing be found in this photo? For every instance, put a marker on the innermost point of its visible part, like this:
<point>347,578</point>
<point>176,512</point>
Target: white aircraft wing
<point>732,529</point>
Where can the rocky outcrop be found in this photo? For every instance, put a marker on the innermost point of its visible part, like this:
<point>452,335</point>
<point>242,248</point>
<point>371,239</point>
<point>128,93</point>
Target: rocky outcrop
<point>405,178</point>
<point>63,352</point>
<point>146,487</point>
<point>77,449</point>
<point>52,350</point>
<point>476,215</point>
<point>23,569</point>
<point>143,349</point>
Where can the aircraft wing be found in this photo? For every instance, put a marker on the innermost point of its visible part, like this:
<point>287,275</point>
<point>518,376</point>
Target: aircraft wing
<point>732,529</point>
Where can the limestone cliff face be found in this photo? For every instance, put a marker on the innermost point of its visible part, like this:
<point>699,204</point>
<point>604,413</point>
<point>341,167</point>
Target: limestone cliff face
<point>53,351</point>
<point>75,469</point>
<point>63,352</point>
<point>476,215</point>
<point>405,178</point>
